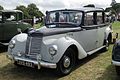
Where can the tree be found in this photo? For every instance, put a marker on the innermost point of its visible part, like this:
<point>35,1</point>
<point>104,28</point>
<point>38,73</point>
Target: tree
<point>1,8</point>
<point>24,10</point>
<point>30,11</point>
<point>34,11</point>
<point>116,8</point>
<point>108,9</point>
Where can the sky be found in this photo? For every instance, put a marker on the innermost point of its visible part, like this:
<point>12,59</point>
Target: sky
<point>45,5</point>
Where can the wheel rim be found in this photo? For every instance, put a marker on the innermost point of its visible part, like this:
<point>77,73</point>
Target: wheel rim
<point>66,62</point>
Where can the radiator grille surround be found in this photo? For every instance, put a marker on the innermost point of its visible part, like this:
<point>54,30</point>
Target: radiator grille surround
<point>33,46</point>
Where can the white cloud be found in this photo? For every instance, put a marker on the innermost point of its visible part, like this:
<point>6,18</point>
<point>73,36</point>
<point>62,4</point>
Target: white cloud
<point>44,5</point>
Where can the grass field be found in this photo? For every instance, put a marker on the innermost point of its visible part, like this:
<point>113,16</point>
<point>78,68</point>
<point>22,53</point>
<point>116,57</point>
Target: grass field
<point>37,26</point>
<point>95,67</point>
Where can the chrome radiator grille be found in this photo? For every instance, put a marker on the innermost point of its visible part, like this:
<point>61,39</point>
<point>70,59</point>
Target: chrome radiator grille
<point>33,45</point>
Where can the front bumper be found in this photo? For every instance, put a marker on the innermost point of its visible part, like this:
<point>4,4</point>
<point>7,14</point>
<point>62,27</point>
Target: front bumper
<point>38,63</point>
<point>116,63</point>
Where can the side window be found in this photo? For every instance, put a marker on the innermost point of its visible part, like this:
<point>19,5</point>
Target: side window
<point>20,16</point>
<point>89,19</point>
<point>9,16</point>
<point>99,17</point>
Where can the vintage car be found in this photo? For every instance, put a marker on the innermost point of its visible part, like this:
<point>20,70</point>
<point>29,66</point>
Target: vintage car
<point>68,35</point>
<point>116,56</point>
<point>10,23</point>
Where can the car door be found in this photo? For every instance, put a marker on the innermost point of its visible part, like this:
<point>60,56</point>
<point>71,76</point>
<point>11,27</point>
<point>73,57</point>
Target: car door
<point>10,29</point>
<point>88,36</point>
<point>101,27</point>
<point>9,25</point>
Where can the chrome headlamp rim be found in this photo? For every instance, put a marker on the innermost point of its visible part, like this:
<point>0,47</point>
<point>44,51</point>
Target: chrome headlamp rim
<point>53,50</point>
<point>12,44</point>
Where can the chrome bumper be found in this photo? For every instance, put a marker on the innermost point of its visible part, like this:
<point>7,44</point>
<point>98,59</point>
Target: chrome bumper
<point>38,63</point>
<point>116,63</point>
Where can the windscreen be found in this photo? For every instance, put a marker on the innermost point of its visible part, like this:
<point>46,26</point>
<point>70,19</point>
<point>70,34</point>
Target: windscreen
<point>64,18</point>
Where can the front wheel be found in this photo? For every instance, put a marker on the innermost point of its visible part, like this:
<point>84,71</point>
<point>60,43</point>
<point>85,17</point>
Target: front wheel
<point>66,63</point>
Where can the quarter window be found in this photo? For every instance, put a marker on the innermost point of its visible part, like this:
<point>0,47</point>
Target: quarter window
<point>99,17</point>
<point>89,20</point>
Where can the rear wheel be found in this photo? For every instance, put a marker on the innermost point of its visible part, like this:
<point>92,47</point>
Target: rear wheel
<point>106,45</point>
<point>66,63</point>
<point>110,38</point>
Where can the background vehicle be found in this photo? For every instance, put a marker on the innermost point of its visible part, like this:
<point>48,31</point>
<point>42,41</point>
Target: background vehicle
<point>116,56</point>
<point>10,22</point>
<point>68,35</point>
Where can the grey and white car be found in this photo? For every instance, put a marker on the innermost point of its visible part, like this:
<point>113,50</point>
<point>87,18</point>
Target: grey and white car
<point>68,35</point>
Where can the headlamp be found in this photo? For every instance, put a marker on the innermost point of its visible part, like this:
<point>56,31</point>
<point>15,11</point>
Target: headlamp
<point>12,44</point>
<point>53,50</point>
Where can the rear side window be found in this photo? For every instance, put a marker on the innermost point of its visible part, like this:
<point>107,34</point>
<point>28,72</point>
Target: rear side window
<point>89,20</point>
<point>99,18</point>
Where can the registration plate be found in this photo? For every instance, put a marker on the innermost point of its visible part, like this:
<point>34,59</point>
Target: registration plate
<point>25,63</point>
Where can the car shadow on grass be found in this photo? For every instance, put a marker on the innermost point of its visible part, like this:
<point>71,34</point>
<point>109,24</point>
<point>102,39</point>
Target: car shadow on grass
<point>24,73</point>
<point>109,74</point>
<point>3,48</point>
<point>88,58</point>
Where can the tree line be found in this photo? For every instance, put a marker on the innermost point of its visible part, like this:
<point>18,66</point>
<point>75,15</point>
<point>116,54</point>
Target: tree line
<point>29,12</point>
<point>114,9</point>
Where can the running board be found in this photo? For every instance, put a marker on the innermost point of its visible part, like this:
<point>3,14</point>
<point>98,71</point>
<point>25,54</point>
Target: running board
<point>91,52</point>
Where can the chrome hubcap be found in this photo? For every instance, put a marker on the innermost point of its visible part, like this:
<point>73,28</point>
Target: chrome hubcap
<point>66,62</point>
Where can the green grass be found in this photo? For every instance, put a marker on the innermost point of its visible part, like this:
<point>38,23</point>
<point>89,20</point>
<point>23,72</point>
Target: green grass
<point>116,27</point>
<point>38,25</point>
<point>95,67</point>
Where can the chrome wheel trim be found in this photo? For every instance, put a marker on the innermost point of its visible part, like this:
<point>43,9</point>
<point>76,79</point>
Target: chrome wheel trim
<point>66,62</point>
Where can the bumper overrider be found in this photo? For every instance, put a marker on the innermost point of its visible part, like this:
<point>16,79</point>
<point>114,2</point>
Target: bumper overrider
<point>38,63</point>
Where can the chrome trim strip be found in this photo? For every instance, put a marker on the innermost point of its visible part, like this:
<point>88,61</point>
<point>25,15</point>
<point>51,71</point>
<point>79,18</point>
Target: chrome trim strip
<point>93,51</point>
<point>115,63</point>
<point>6,44</point>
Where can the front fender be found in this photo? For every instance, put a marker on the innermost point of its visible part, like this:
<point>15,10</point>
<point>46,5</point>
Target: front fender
<point>63,44</point>
<point>20,42</point>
